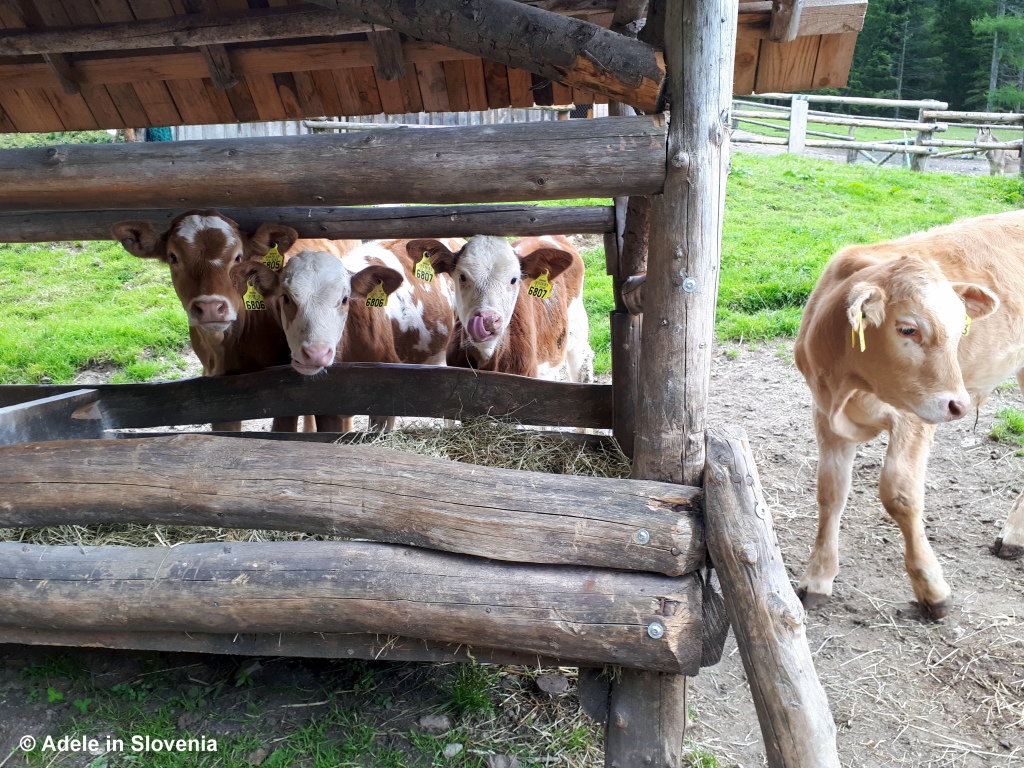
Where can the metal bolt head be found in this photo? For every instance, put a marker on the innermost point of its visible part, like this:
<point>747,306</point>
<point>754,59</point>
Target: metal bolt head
<point>642,536</point>
<point>656,630</point>
<point>690,285</point>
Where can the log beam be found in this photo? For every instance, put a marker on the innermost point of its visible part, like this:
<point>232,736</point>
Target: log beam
<point>388,59</point>
<point>358,492</point>
<point>569,51</point>
<point>487,163</point>
<point>785,22</point>
<point>765,613</point>
<point>384,223</point>
<point>596,615</point>
<point>61,67</point>
<point>49,418</point>
<point>394,390</point>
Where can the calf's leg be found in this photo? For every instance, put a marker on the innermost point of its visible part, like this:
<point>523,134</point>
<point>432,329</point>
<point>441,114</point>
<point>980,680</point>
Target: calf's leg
<point>901,490</point>
<point>835,470</point>
<point>1010,544</point>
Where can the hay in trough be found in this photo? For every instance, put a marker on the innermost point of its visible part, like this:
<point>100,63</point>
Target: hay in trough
<point>483,441</point>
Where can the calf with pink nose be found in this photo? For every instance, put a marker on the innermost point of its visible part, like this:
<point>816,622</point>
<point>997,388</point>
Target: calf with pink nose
<point>519,305</point>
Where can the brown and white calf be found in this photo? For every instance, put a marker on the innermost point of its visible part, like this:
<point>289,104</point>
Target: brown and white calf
<point>200,247</point>
<point>887,343</point>
<point>500,325</point>
<point>321,305</point>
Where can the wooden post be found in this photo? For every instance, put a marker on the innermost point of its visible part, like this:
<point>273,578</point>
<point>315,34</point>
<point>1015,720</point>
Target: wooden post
<point>919,163</point>
<point>765,613</point>
<point>851,154</point>
<point>647,713</point>
<point>798,124</point>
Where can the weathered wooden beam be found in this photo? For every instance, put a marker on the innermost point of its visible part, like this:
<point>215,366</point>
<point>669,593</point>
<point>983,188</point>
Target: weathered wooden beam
<point>65,74</point>
<point>388,59</point>
<point>358,492</point>
<point>49,418</point>
<point>785,21</point>
<point>597,615</point>
<point>194,31</point>
<point>487,163</point>
<point>395,390</point>
<point>384,223</point>
<point>765,613</point>
<point>215,54</point>
<point>569,51</point>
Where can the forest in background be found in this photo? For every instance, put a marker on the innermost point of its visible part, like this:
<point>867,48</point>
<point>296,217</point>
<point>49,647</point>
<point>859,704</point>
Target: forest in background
<point>969,53</point>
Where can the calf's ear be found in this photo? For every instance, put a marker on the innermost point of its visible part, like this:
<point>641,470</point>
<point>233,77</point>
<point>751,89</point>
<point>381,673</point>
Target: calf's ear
<point>365,280</point>
<point>259,242</point>
<point>978,301</point>
<point>866,302</point>
<point>440,256</point>
<point>551,260</point>
<point>257,274</point>
<point>140,238</point>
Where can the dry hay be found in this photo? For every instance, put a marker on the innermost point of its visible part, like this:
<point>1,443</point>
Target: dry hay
<point>484,441</point>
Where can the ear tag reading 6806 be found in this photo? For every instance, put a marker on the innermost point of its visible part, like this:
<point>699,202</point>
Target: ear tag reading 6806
<point>541,287</point>
<point>424,270</point>
<point>253,300</point>
<point>274,259</point>
<point>377,297</point>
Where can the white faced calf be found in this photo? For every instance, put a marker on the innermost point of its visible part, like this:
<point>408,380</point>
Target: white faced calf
<point>520,306</point>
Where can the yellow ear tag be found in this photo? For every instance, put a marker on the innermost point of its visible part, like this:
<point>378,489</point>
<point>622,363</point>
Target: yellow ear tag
<point>377,297</point>
<point>541,287</point>
<point>967,325</point>
<point>254,300</point>
<point>854,332</point>
<point>274,259</point>
<point>424,270</point>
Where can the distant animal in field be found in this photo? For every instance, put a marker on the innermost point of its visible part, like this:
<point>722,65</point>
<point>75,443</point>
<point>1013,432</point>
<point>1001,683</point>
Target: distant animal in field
<point>899,337</point>
<point>1000,161</point>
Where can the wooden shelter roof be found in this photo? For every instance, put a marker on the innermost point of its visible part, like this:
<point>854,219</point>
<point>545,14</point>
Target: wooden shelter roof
<point>87,74</point>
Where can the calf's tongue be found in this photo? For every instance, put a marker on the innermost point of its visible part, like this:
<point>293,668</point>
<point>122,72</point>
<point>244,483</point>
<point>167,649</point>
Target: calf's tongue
<point>476,328</point>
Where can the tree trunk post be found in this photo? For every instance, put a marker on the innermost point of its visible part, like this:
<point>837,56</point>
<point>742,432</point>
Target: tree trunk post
<point>647,712</point>
<point>919,163</point>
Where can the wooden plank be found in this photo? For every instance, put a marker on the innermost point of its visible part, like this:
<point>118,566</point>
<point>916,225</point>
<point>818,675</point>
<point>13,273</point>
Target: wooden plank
<point>455,82</point>
<point>284,82</point>
<point>410,87</point>
<point>72,110</point>
<point>582,97</point>
<point>157,101</point>
<point>129,106</point>
<point>769,622</point>
<point>599,615</point>
<point>191,100</point>
<point>266,97</point>
<point>366,90</point>
<point>323,80</point>
<point>748,49</point>
<point>560,94</point>
<point>388,59</point>
<point>348,92</point>
<point>332,223</point>
<point>835,57</point>
<point>309,98</point>
<point>518,35</point>
<point>396,390</point>
<point>787,66</point>
<point>29,114</point>
<point>219,102</point>
<point>433,89</point>
<point>218,64</point>
<point>354,491</point>
<point>625,349</point>
<point>818,17</point>
<point>476,84</point>
<point>493,163</point>
<point>542,91</point>
<point>519,85</point>
<point>321,645</point>
<point>496,80</point>
<point>49,418</point>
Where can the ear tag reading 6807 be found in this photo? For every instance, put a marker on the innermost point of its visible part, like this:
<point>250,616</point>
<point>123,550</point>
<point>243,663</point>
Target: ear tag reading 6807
<point>253,300</point>
<point>424,269</point>
<point>377,297</point>
<point>541,287</point>
<point>274,259</point>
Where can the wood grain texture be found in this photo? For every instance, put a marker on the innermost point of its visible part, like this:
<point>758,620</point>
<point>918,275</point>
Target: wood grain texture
<point>388,59</point>
<point>556,47</point>
<point>489,163</point>
<point>354,491</point>
<point>394,390</point>
<point>333,223</point>
<point>625,349</point>
<point>835,57</point>
<point>49,418</point>
<point>646,716</point>
<point>599,616</point>
<point>765,613</point>
<point>787,66</point>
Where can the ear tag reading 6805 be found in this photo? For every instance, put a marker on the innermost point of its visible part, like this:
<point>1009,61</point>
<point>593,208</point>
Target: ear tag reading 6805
<point>253,300</point>
<point>424,270</point>
<point>541,287</point>
<point>377,297</point>
<point>274,259</point>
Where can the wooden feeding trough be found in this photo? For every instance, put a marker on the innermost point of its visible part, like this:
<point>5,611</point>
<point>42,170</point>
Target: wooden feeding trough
<point>457,561</point>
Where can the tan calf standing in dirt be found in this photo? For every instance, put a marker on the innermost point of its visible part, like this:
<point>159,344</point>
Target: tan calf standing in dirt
<point>887,342</point>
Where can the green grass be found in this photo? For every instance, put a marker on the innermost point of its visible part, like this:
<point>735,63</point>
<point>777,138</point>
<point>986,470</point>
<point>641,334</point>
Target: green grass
<point>1009,428</point>
<point>23,140</point>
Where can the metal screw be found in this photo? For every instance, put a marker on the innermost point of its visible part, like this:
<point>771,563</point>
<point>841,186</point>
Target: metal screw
<point>656,630</point>
<point>642,536</point>
<point>690,285</point>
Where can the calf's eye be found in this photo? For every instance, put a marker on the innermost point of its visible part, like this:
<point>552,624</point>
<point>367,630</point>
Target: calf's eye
<point>908,331</point>
<point>285,299</point>
<point>514,280</point>
<point>462,278</point>
<point>238,258</point>
<point>172,258</point>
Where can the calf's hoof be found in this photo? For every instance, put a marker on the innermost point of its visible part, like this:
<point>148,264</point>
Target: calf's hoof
<point>934,611</point>
<point>1006,551</point>
<point>812,600</point>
